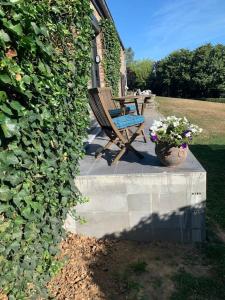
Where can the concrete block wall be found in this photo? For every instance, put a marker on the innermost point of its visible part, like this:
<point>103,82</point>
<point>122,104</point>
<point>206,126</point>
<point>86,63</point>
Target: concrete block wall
<point>143,207</point>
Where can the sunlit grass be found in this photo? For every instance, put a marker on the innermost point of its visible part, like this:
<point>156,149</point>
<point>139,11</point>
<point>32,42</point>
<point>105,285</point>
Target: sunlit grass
<point>208,115</point>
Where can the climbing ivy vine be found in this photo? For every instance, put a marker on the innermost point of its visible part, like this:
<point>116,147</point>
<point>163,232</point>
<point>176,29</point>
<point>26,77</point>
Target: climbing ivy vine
<point>111,61</point>
<point>44,71</point>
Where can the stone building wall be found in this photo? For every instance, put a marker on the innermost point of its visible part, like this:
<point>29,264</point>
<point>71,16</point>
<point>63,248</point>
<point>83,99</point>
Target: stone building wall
<point>100,51</point>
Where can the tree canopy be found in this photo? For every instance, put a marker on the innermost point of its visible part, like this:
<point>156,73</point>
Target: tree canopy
<point>129,56</point>
<point>138,74</point>
<point>199,73</point>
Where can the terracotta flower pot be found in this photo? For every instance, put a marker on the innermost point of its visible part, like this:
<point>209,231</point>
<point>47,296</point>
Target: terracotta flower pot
<point>171,156</point>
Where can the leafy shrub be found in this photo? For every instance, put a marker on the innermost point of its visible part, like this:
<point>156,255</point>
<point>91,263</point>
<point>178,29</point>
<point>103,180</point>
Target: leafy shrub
<point>219,100</point>
<point>44,70</point>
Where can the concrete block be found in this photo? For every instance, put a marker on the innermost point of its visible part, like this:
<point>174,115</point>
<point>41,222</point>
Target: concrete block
<point>138,202</point>
<point>140,235</point>
<point>100,184</point>
<point>198,235</point>
<point>169,221</point>
<point>139,184</point>
<point>175,235</point>
<point>140,219</point>
<point>100,224</point>
<point>142,200</point>
<point>171,203</point>
<point>105,202</point>
<point>198,218</point>
<point>70,224</point>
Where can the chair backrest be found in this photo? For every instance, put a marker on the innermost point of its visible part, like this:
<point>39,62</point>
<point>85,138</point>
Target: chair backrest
<point>98,103</point>
<point>106,95</point>
<point>101,112</point>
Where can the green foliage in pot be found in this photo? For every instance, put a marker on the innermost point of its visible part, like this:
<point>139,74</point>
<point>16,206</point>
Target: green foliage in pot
<point>44,70</point>
<point>112,53</point>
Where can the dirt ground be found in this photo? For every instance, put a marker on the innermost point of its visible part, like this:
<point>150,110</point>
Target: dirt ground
<point>112,269</point>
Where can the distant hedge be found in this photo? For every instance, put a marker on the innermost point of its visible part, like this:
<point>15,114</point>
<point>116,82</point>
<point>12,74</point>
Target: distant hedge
<point>44,70</point>
<point>219,100</point>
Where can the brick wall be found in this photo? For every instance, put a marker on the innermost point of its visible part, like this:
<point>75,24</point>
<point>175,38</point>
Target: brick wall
<point>100,50</point>
<point>122,68</point>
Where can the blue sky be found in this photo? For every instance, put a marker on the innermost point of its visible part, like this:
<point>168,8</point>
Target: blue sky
<point>155,28</point>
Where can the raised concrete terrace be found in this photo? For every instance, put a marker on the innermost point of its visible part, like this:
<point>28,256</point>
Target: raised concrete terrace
<point>130,163</point>
<point>140,199</point>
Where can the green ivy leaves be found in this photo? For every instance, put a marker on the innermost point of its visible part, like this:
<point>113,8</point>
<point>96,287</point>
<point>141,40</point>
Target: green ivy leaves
<point>112,48</point>
<point>5,193</point>
<point>44,76</point>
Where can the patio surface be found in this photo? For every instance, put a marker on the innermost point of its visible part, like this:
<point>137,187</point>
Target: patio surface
<point>130,163</point>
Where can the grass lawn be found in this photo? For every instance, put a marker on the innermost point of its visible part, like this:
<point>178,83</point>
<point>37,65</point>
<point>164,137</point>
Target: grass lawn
<point>210,150</point>
<point>105,269</point>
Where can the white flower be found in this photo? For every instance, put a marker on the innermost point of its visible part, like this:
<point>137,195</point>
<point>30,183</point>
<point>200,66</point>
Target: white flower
<point>195,129</point>
<point>165,126</point>
<point>176,123</point>
<point>188,134</point>
<point>186,120</point>
<point>174,130</point>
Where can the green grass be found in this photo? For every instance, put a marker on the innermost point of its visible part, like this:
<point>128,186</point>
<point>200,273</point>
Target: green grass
<point>190,287</point>
<point>210,151</point>
<point>139,267</point>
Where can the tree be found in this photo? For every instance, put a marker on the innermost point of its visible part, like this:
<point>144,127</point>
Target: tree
<point>193,74</point>
<point>218,70</point>
<point>129,56</point>
<point>138,74</point>
<point>208,71</point>
<point>201,71</point>
<point>172,76</point>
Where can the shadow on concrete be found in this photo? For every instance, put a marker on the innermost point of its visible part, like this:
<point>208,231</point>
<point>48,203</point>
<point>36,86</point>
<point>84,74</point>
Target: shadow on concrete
<point>129,156</point>
<point>184,226</point>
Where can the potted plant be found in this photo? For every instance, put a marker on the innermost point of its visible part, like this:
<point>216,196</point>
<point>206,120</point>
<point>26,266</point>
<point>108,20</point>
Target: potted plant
<point>172,136</point>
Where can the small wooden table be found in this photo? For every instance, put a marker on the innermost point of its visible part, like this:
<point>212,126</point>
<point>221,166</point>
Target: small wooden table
<point>133,99</point>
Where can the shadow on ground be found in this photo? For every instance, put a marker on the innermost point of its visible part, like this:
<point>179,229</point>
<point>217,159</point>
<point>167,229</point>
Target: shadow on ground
<point>117,268</point>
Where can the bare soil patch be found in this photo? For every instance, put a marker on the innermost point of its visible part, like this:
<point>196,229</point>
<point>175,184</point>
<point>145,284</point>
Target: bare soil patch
<point>113,269</point>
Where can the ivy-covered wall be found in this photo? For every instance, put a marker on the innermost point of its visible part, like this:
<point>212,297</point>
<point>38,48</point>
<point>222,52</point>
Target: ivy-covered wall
<point>44,70</point>
<point>111,58</point>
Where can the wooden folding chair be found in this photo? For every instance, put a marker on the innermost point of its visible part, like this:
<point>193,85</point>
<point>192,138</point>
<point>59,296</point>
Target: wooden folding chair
<point>110,104</point>
<point>115,128</point>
